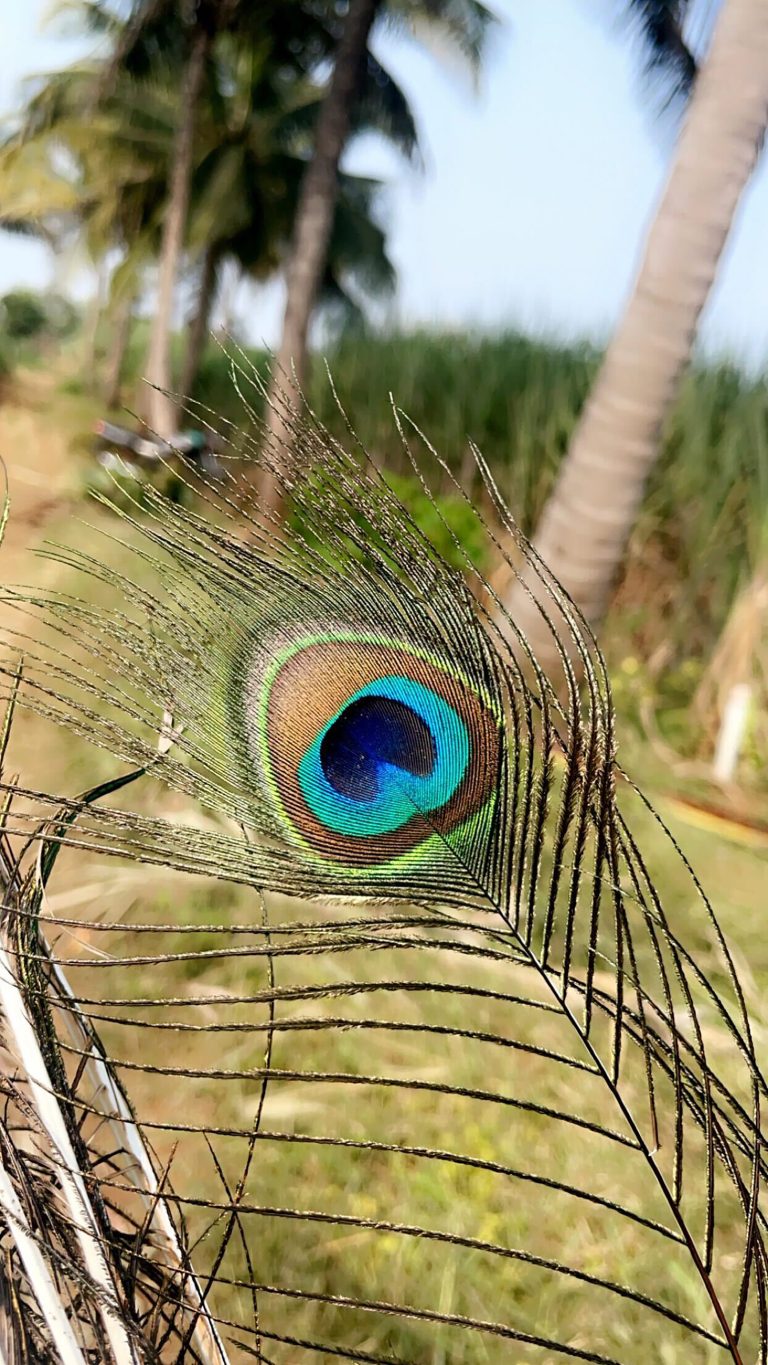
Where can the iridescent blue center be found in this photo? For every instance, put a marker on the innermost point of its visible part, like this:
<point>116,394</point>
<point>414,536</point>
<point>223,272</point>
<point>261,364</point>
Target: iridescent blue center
<point>396,749</point>
<point>370,735</point>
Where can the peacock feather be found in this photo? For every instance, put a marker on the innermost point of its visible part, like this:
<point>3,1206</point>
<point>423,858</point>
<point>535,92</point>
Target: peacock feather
<point>357,723</point>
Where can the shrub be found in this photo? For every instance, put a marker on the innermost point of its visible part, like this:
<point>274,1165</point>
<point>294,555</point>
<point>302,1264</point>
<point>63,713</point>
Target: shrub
<point>22,314</point>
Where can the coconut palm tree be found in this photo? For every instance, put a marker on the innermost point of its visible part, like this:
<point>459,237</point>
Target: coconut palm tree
<point>82,177</point>
<point>465,24</point>
<point>586,523</point>
<point>179,39</point>
<point>250,152</point>
<point>357,263</point>
<point>254,147</point>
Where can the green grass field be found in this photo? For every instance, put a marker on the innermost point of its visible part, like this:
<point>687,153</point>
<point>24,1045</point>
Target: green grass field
<point>328,984</point>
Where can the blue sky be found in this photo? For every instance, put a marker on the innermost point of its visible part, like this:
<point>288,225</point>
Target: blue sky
<point>532,206</point>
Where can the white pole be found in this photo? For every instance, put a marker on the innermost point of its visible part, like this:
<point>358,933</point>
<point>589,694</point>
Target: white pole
<point>732,731</point>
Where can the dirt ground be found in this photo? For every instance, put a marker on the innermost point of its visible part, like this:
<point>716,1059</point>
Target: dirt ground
<point>42,474</point>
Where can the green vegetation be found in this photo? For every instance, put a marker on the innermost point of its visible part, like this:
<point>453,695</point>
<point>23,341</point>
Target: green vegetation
<point>33,324</point>
<point>703,525</point>
<point>369,1059</point>
<point>701,534</point>
<point>26,314</point>
<point>288,1172</point>
<point>23,314</point>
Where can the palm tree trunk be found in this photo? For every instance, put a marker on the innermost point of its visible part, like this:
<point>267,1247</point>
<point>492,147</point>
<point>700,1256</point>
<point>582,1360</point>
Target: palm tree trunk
<point>161,410</point>
<point>116,358</point>
<point>587,521</point>
<point>92,325</point>
<point>312,231</point>
<point>198,327</point>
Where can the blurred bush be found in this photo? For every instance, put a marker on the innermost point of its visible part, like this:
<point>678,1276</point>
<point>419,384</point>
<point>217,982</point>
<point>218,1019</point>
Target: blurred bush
<point>5,359</point>
<point>28,314</point>
<point>22,314</point>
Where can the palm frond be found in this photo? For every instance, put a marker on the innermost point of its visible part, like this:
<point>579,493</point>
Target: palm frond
<point>463,27</point>
<point>382,107</point>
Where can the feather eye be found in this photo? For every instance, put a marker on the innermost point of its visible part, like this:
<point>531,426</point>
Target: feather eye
<point>371,750</point>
